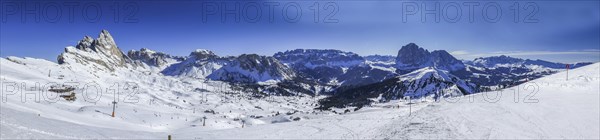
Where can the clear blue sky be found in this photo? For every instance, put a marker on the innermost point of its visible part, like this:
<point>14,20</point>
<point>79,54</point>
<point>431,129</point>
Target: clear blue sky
<point>563,31</point>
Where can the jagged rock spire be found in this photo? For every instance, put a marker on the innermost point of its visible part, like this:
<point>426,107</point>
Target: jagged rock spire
<point>102,51</point>
<point>106,40</point>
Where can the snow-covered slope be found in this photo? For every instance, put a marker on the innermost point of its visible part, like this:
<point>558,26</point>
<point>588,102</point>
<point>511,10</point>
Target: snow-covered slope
<point>250,96</point>
<point>564,110</point>
<point>507,61</point>
<point>427,82</point>
<point>546,108</point>
<point>502,71</point>
<point>162,103</point>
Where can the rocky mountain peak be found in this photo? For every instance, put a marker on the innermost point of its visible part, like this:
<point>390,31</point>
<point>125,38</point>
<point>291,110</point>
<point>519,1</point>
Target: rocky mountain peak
<point>260,63</point>
<point>412,46</point>
<point>102,51</point>
<point>106,40</point>
<point>148,51</point>
<point>85,43</point>
<point>250,68</point>
<point>202,54</point>
<point>443,60</point>
<point>411,57</point>
<point>103,44</point>
<point>153,58</point>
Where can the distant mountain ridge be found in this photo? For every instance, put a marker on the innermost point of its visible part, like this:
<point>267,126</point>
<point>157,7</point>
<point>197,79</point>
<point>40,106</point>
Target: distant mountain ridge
<point>153,58</point>
<point>253,68</point>
<point>425,82</point>
<point>507,61</point>
<point>347,76</point>
<point>333,66</point>
<point>312,58</point>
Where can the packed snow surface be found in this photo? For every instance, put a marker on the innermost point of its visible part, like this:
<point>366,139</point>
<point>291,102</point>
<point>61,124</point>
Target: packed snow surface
<point>547,108</point>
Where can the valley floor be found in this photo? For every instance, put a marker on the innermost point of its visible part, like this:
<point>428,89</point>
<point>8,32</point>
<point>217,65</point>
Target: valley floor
<point>547,108</point>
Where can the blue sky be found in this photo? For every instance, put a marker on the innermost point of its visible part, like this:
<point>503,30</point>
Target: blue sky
<point>562,31</point>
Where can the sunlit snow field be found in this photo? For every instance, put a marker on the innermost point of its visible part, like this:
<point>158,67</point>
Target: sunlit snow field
<point>546,108</point>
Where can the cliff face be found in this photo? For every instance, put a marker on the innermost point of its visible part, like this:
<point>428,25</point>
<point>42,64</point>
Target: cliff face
<point>102,52</point>
<point>412,57</point>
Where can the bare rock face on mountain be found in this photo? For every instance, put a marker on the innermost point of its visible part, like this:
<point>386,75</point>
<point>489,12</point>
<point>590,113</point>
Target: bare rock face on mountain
<point>153,58</point>
<point>199,64</point>
<point>323,65</point>
<point>250,68</point>
<point>101,52</point>
<point>201,54</point>
<point>443,60</point>
<point>412,57</point>
<point>336,67</point>
<point>313,58</point>
<point>380,58</point>
<point>246,68</point>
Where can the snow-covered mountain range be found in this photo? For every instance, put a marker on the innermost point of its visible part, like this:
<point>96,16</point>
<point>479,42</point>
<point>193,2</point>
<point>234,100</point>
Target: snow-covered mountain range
<point>502,71</point>
<point>420,83</point>
<point>313,71</point>
<point>334,67</point>
<point>158,94</point>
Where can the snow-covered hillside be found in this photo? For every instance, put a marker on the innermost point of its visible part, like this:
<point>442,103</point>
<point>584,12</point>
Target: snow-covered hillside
<point>559,109</point>
<point>97,91</point>
<point>162,103</point>
<point>427,82</point>
<point>547,108</point>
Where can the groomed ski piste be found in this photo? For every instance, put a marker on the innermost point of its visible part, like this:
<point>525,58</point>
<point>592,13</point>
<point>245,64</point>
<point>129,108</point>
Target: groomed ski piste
<point>551,107</point>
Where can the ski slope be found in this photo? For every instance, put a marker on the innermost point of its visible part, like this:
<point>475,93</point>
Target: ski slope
<point>162,103</point>
<point>556,109</point>
<point>546,108</point>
